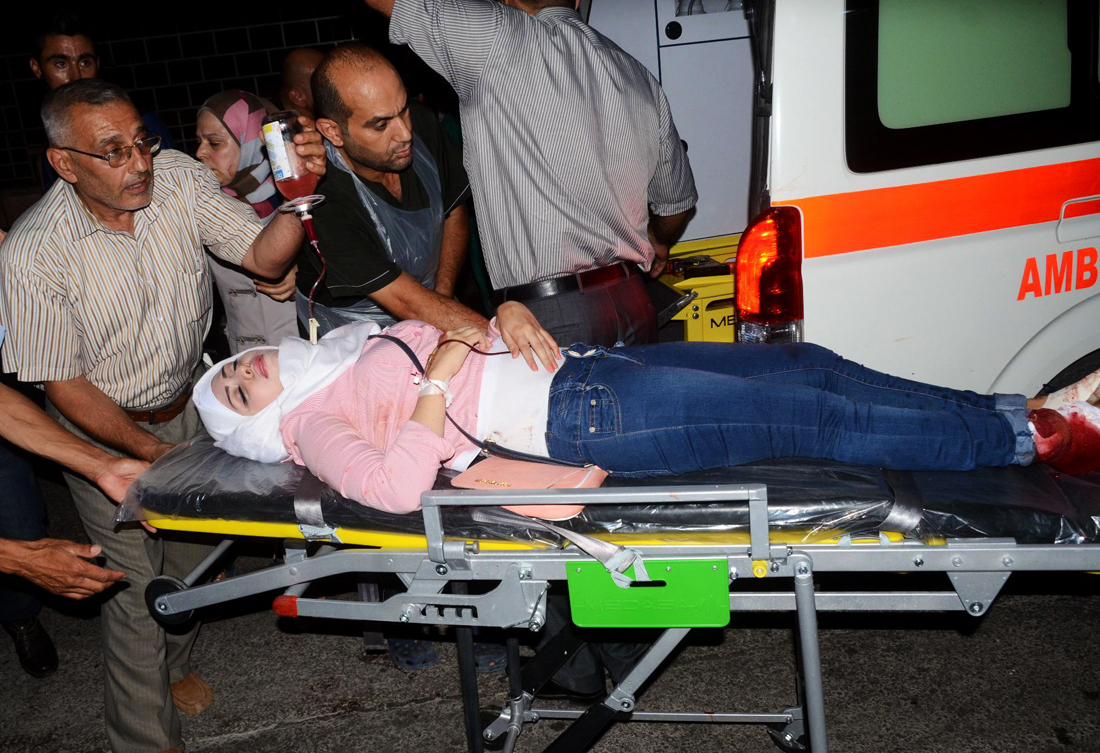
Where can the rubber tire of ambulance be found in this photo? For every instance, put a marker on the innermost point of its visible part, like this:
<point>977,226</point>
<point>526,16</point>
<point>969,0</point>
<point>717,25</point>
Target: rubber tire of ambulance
<point>163,585</point>
<point>1079,369</point>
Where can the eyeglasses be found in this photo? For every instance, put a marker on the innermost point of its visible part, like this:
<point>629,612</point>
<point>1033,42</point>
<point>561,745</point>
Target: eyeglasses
<point>118,157</point>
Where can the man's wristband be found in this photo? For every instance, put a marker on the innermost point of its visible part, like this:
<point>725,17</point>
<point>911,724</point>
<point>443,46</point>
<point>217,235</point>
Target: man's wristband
<point>436,387</point>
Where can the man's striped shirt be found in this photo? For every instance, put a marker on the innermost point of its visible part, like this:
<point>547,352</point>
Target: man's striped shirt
<point>127,311</point>
<point>568,141</point>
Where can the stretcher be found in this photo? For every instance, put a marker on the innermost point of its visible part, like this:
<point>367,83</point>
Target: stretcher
<point>671,554</point>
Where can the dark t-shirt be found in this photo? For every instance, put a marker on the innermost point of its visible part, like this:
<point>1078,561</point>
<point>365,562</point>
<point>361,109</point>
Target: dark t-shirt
<point>357,260</point>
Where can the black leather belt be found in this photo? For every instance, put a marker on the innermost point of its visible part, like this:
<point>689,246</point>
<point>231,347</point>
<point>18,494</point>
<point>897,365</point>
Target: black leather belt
<point>566,283</point>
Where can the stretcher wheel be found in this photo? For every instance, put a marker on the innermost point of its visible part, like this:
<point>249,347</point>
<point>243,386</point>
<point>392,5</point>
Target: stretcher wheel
<point>163,585</point>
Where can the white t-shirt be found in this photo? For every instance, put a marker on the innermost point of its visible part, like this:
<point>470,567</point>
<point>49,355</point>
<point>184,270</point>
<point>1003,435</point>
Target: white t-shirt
<point>513,406</point>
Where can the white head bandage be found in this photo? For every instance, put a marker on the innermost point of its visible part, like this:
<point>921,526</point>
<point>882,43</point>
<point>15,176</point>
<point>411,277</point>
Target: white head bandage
<point>303,370</point>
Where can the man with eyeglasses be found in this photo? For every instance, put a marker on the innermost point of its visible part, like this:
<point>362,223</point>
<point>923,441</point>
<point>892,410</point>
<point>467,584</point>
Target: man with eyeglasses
<point>105,296</point>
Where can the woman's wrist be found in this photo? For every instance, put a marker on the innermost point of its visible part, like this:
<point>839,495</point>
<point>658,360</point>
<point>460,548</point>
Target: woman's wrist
<point>435,372</point>
<point>430,386</point>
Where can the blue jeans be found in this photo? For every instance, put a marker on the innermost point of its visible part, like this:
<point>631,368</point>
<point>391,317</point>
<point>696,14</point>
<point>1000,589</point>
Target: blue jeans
<point>22,517</point>
<point>656,410</point>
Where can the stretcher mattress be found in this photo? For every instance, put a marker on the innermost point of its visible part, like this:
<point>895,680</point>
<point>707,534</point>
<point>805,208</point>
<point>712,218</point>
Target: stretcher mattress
<point>1031,505</point>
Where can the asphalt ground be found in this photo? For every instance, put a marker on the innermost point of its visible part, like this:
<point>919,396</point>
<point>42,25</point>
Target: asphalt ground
<point>1024,677</point>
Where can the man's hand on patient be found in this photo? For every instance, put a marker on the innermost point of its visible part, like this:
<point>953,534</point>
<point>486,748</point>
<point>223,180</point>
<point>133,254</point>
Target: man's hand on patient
<point>523,335</point>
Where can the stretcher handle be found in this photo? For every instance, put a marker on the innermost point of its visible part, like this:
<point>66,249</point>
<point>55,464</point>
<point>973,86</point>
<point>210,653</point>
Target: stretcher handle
<point>601,496</point>
<point>755,494</point>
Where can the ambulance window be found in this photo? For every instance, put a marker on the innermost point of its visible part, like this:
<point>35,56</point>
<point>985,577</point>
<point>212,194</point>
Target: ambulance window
<point>947,80</point>
<point>942,61</point>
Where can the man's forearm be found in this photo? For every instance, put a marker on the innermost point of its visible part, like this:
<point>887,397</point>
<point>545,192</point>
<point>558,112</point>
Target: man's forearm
<point>452,252</point>
<point>667,230</point>
<point>406,298</point>
<point>276,246</point>
<point>101,418</point>
<point>442,313</point>
<point>26,425</point>
<point>663,233</point>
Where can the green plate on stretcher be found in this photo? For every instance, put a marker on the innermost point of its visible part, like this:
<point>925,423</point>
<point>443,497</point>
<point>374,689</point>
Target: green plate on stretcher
<point>680,593</point>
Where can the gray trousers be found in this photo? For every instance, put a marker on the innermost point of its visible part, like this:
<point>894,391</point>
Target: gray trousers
<point>140,659</point>
<point>614,312</point>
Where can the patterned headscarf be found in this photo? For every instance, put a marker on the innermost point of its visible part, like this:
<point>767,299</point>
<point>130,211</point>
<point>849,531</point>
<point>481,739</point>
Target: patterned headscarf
<point>241,113</point>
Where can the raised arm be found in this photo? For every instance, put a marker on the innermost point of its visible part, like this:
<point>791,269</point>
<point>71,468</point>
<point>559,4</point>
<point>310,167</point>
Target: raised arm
<point>230,229</point>
<point>454,37</point>
<point>277,244</point>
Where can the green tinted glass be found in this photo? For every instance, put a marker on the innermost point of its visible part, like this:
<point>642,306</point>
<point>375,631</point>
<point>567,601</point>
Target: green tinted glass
<point>945,61</point>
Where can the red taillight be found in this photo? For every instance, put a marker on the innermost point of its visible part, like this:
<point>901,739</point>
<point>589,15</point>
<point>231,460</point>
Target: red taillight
<point>769,268</point>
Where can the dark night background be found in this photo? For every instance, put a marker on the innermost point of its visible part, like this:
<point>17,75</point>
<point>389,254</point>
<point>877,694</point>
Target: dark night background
<point>171,61</point>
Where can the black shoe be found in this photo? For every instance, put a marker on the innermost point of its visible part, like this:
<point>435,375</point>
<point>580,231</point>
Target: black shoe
<point>551,691</point>
<point>36,651</point>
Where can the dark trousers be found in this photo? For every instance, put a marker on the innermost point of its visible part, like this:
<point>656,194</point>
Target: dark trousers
<point>22,517</point>
<point>583,672</point>
<point>606,314</point>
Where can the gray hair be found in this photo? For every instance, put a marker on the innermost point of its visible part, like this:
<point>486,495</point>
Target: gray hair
<point>60,101</point>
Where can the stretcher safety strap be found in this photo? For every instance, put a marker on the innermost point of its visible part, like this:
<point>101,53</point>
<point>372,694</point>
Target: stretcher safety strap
<point>616,559</point>
<point>908,507</point>
<point>307,510</point>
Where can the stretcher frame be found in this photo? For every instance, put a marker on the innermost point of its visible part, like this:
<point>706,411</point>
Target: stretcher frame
<point>519,576</point>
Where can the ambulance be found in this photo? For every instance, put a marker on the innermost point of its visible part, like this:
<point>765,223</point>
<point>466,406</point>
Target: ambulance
<point>912,183</point>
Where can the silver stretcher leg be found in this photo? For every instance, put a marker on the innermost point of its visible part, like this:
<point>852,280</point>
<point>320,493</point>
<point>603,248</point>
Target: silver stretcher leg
<point>467,678</point>
<point>208,562</point>
<point>811,654</point>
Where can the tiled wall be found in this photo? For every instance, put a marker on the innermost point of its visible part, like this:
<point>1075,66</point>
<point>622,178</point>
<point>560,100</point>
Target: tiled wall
<point>172,63</point>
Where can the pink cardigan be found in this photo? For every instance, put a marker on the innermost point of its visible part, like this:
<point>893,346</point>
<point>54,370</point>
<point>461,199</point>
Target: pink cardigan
<point>356,436</point>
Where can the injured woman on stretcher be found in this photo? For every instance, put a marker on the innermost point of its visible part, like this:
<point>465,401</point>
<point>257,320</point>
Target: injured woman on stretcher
<point>357,412</point>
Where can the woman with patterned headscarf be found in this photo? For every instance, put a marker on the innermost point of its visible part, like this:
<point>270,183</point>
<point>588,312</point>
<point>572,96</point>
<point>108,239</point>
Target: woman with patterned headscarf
<point>258,312</point>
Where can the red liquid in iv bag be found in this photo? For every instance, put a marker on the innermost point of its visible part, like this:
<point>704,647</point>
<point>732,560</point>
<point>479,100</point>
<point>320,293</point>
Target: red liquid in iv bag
<point>287,167</point>
<point>298,186</point>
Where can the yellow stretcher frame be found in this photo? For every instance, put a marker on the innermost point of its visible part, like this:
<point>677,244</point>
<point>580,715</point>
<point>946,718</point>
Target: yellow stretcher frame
<point>418,542</point>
